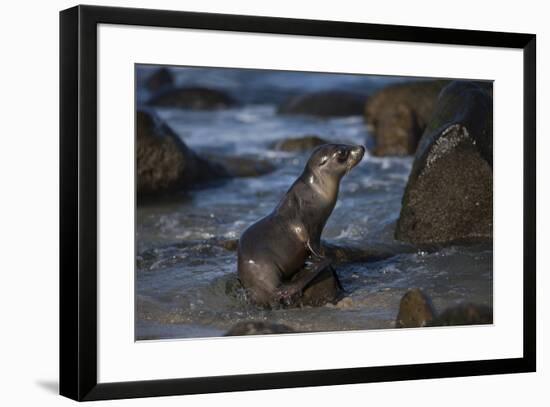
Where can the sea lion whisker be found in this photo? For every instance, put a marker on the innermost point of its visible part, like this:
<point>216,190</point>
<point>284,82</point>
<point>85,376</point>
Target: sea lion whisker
<point>308,244</point>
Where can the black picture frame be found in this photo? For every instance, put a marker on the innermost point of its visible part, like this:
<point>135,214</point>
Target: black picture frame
<point>78,202</point>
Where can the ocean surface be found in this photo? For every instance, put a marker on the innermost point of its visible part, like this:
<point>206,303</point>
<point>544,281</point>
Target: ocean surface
<point>186,284</point>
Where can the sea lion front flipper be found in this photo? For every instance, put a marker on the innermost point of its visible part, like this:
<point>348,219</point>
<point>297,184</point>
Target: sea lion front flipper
<point>288,292</point>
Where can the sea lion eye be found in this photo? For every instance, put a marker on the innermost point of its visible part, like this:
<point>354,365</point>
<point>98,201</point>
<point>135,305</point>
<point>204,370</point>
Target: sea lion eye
<point>342,155</point>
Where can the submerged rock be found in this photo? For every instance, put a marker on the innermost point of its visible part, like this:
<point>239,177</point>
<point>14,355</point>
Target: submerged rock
<point>301,144</point>
<point>161,78</point>
<point>164,162</point>
<point>258,328</point>
<point>325,104</point>
<point>415,310</point>
<point>398,114</point>
<point>193,98</point>
<point>449,194</point>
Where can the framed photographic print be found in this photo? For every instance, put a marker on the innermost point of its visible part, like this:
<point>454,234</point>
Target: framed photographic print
<point>256,202</point>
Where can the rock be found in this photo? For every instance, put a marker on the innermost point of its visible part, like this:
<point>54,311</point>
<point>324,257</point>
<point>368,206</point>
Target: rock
<point>161,78</point>
<point>164,162</point>
<point>398,114</point>
<point>192,98</point>
<point>258,328</point>
<point>415,310</point>
<point>449,194</point>
<point>324,289</point>
<point>230,244</point>
<point>464,314</point>
<point>325,104</point>
<point>301,144</point>
<point>367,252</point>
<point>242,166</point>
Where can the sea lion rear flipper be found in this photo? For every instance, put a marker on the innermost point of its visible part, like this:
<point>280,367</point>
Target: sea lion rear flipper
<point>335,275</point>
<point>288,292</point>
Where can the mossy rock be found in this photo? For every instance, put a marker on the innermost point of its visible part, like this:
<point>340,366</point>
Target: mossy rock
<point>449,194</point>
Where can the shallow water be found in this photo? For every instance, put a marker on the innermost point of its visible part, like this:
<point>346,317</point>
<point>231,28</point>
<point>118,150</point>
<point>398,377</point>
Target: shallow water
<point>186,280</point>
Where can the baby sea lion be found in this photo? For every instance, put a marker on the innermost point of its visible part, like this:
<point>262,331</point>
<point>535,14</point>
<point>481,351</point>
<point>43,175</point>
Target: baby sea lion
<point>275,249</point>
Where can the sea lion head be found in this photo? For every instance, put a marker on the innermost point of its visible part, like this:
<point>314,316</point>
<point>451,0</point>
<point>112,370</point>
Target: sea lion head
<point>335,160</point>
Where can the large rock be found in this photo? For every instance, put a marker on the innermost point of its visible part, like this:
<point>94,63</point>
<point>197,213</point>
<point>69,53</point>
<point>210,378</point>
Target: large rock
<point>449,194</point>
<point>325,104</point>
<point>164,162</point>
<point>161,78</point>
<point>398,115</point>
<point>193,98</point>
